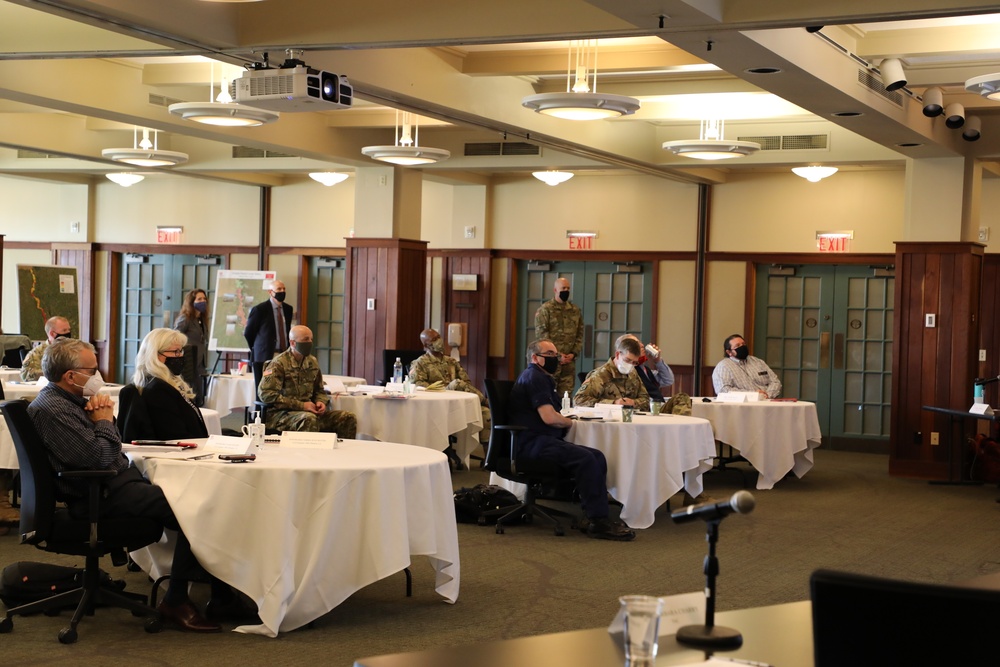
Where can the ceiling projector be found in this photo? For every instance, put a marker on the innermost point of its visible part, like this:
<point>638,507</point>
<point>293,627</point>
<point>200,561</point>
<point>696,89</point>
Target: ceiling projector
<point>298,88</point>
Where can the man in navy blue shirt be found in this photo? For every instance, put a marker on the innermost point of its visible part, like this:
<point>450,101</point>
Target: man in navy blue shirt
<point>534,403</point>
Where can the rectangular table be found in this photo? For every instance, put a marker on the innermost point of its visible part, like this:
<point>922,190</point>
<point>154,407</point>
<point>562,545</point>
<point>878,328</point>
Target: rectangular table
<point>776,437</point>
<point>227,393</point>
<point>649,460</point>
<point>300,530</point>
<point>425,418</point>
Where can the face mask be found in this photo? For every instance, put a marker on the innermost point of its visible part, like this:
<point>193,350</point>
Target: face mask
<point>201,306</point>
<point>93,384</point>
<point>550,364</point>
<point>623,366</point>
<point>279,296</point>
<point>174,364</point>
<point>65,335</point>
<point>437,347</point>
<point>742,352</point>
<point>305,349</point>
<point>564,295</point>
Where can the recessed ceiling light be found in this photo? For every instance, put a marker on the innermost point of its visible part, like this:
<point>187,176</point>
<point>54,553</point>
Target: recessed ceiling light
<point>909,144</point>
<point>847,114</point>
<point>764,70</point>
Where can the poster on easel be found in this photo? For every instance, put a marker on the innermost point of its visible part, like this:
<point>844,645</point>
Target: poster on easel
<point>44,291</point>
<point>236,292</point>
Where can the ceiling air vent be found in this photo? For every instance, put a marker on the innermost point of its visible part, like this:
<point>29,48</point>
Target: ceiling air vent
<point>163,100</point>
<point>791,142</point>
<point>501,149</point>
<point>874,84</point>
<point>33,155</point>
<point>246,151</point>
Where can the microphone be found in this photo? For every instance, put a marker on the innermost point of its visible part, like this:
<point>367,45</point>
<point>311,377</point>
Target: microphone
<point>742,502</point>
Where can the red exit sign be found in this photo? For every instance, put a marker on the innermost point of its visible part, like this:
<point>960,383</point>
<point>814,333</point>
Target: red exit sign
<point>841,244</point>
<point>169,234</point>
<point>581,243</point>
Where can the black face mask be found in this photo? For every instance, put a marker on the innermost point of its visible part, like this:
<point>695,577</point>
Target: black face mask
<point>280,296</point>
<point>742,352</point>
<point>550,364</point>
<point>65,335</point>
<point>564,295</point>
<point>174,364</point>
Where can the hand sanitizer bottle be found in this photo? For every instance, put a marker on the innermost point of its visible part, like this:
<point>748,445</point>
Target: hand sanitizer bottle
<point>566,404</point>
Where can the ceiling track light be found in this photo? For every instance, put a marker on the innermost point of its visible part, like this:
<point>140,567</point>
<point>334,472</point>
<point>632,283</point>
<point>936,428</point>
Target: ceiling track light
<point>222,111</point>
<point>710,145</point>
<point>552,176</point>
<point>933,102</point>
<point>145,153</point>
<point>581,101</point>
<point>892,74</point>
<point>973,128</point>
<point>814,173</point>
<point>954,115</point>
<point>406,151</point>
<point>328,178</point>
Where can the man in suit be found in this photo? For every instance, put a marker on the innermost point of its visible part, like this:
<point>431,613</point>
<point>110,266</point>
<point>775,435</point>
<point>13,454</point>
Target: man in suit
<point>267,329</point>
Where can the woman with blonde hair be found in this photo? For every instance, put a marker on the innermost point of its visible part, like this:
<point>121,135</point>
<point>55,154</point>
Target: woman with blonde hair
<point>193,322</point>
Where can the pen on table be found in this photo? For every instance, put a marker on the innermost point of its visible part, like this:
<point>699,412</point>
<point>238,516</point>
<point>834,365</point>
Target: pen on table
<point>199,458</point>
<point>754,663</point>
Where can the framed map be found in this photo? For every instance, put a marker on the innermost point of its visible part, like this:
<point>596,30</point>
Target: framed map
<point>236,292</point>
<point>44,292</point>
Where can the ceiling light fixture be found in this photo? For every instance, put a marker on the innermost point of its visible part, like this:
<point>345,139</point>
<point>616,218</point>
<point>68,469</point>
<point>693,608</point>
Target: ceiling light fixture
<point>581,101</point>
<point>223,111</point>
<point>552,177</point>
<point>126,179</point>
<point>407,150</point>
<point>328,178</point>
<point>987,85</point>
<point>814,173</point>
<point>711,145</point>
<point>892,74</point>
<point>145,153</point>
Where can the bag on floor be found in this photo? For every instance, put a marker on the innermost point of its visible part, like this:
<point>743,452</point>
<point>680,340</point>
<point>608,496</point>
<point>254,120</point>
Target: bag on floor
<point>24,582</point>
<point>986,459</point>
<point>483,502</point>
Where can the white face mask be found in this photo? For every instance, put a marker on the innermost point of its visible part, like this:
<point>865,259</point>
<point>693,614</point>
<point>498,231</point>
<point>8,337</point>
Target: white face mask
<point>93,384</point>
<point>623,366</point>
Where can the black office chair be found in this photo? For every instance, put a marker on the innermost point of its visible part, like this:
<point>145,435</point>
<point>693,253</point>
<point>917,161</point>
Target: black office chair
<point>53,529</point>
<point>501,458</point>
<point>864,621</point>
<point>407,357</point>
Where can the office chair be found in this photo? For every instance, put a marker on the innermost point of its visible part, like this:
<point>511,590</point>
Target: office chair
<point>864,621</point>
<point>501,458</point>
<point>389,358</point>
<point>53,529</point>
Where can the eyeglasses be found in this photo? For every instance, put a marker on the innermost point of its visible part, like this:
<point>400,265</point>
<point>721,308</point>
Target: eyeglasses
<point>92,370</point>
<point>172,353</point>
<point>547,354</point>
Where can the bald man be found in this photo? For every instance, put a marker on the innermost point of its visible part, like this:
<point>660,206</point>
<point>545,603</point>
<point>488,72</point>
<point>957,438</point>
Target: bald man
<point>31,367</point>
<point>561,322</point>
<point>267,329</point>
<point>292,387</point>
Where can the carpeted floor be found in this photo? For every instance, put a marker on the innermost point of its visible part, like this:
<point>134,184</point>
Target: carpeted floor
<point>847,513</point>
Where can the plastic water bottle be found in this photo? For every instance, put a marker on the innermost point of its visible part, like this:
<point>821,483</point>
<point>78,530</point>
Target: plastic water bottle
<point>566,402</point>
<point>397,371</point>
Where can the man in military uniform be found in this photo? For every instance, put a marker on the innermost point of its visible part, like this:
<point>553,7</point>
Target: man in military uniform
<point>562,322</point>
<point>616,381</point>
<point>31,367</point>
<point>292,386</point>
<point>435,366</point>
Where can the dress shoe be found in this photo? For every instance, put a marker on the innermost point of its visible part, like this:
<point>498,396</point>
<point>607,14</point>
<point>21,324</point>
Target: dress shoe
<point>608,529</point>
<point>186,617</point>
<point>237,610</point>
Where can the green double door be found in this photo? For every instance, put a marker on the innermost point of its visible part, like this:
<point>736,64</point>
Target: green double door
<point>827,332</point>
<point>613,298</point>
<point>327,277</point>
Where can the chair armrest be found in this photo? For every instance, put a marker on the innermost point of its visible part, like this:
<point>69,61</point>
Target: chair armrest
<point>509,427</point>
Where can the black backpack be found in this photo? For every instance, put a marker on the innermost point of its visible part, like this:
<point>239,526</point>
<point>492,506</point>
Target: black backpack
<point>24,582</point>
<point>483,502</point>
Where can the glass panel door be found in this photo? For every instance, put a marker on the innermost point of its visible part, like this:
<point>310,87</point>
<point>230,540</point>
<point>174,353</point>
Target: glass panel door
<point>326,312</point>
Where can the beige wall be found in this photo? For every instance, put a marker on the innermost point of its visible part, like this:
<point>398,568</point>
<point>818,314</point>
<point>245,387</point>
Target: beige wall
<point>305,213</point>
<point>675,318</point>
<point>36,210</point>
<point>725,291</point>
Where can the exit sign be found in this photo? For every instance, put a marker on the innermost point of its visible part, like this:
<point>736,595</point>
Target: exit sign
<point>169,234</point>
<point>833,244</point>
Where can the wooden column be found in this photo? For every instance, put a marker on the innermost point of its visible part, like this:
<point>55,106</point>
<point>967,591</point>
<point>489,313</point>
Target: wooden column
<point>393,272</point>
<point>471,308</point>
<point>933,365</point>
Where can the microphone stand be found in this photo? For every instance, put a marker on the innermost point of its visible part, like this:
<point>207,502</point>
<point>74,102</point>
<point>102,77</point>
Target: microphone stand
<point>985,381</point>
<point>709,635</point>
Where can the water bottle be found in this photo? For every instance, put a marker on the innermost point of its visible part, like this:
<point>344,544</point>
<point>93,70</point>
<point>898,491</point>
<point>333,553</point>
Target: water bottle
<point>397,371</point>
<point>566,402</point>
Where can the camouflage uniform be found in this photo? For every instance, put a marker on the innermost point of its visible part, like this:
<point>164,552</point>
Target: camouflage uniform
<point>607,385</point>
<point>31,367</point>
<point>562,323</point>
<point>428,369</point>
<point>286,384</point>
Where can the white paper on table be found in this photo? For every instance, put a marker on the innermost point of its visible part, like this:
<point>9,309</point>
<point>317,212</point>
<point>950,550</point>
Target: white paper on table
<point>367,389</point>
<point>981,409</point>
<point>678,611</point>
<point>732,397</point>
<point>588,413</point>
<point>336,386</point>
<point>609,411</point>
<point>307,440</point>
<point>227,444</point>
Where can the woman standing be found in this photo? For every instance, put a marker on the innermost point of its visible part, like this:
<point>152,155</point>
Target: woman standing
<point>193,322</point>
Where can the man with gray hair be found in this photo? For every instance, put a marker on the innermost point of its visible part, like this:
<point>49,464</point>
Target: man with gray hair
<point>31,367</point>
<point>616,381</point>
<point>267,328</point>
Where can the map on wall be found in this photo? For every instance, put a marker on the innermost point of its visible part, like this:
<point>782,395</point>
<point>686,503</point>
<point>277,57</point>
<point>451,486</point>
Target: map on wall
<point>236,292</point>
<point>44,292</point>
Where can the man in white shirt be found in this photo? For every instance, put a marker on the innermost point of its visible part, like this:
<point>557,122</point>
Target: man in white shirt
<point>741,372</point>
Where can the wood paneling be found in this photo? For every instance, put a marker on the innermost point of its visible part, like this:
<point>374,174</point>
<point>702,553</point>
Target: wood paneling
<point>470,308</point>
<point>933,365</point>
<point>81,256</point>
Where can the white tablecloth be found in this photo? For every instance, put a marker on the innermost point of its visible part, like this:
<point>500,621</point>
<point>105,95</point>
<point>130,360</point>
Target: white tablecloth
<point>776,437</point>
<point>235,392</point>
<point>299,531</point>
<point>14,390</point>
<point>9,374</point>
<point>426,418</point>
<point>649,460</point>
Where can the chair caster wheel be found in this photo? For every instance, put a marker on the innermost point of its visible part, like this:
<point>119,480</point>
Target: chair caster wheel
<point>499,529</point>
<point>6,625</point>
<point>67,636</point>
<point>153,625</point>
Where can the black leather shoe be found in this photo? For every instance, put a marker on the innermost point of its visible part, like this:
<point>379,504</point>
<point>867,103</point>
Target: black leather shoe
<point>186,617</point>
<point>236,610</point>
<point>606,529</point>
